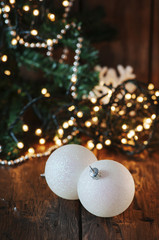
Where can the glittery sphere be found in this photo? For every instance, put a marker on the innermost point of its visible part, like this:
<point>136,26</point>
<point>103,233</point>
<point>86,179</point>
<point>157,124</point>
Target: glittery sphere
<point>111,193</point>
<point>64,167</point>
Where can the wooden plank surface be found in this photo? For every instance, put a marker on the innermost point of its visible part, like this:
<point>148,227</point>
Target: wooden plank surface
<point>131,47</point>
<point>28,208</point>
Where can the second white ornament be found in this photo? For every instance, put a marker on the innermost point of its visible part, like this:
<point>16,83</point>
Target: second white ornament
<point>106,189</point>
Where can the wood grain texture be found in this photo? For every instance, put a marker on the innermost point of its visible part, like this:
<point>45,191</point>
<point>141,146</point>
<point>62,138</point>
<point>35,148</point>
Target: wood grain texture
<point>29,210</point>
<point>155,45</point>
<point>131,47</point>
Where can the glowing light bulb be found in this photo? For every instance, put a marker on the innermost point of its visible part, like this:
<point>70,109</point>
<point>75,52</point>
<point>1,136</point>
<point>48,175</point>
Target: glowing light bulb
<point>58,142</point>
<point>139,128</point>
<point>95,119</point>
<point>74,78</point>
<point>80,114</point>
<point>65,125</point>
<point>42,141</point>
<point>65,3</point>
<point>112,108</point>
<point>90,144</point>
<point>25,127</point>
<point>136,137</point>
<point>88,124</point>
<point>145,106</point>
<point>107,142</point>
<point>70,122</point>
<point>157,93</point>
<point>34,32</point>
<point>60,132</point>
<point>133,96</point>
<point>131,133</point>
<point>124,126</point>
<point>93,100</point>
<point>14,41</point>
<point>148,120</point>
<point>150,86</point>
<point>7,8</point>
<point>7,72</point>
<point>20,145</point>
<point>123,140</point>
<point>55,138</point>
<point>153,97</point>
<point>44,91</point>
<point>51,16</point>
<point>31,150</point>
<point>71,108</point>
<point>4,58</point>
<point>129,104</point>
<point>153,116</point>
<point>122,112</point>
<point>38,131</point>
<point>147,126</point>
<point>12,1</point>
<point>96,108</point>
<point>26,8</point>
<point>128,96</point>
<point>140,99</point>
<point>35,12</point>
<point>47,95</point>
<point>49,42</point>
<point>99,146</point>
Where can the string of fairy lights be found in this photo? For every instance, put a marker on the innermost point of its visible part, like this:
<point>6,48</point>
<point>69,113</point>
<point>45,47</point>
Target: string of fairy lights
<point>118,123</point>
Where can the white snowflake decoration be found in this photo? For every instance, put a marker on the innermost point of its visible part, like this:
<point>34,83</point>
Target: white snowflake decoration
<point>109,76</point>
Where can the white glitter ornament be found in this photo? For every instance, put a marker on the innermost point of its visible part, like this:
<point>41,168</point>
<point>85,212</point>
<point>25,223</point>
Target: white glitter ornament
<point>63,169</point>
<point>106,189</point>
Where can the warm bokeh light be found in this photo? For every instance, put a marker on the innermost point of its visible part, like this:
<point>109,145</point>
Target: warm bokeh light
<point>25,127</point>
<point>38,131</point>
<point>90,144</point>
<point>35,12</point>
<point>43,91</point>
<point>65,3</point>
<point>26,8</point>
<point>42,141</point>
<point>99,146</point>
<point>31,150</point>
<point>150,86</point>
<point>4,58</point>
<point>51,16</point>
<point>34,32</point>
<point>80,114</point>
<point>88,124</point>
<point>20,145</point>
<point>107,142</point>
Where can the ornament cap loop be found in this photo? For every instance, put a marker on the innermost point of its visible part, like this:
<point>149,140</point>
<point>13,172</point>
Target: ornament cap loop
<point>94,173</point>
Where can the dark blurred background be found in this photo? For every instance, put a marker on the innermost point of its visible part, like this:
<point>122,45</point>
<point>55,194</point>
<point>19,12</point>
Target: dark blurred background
<point>136,41</point>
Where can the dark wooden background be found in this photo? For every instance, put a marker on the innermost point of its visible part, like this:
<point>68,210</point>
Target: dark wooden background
<point>137,42</point>
<point>29,210</point>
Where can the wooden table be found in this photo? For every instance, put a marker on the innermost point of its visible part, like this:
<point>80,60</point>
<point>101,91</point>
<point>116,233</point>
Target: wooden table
<point>30,211</point>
